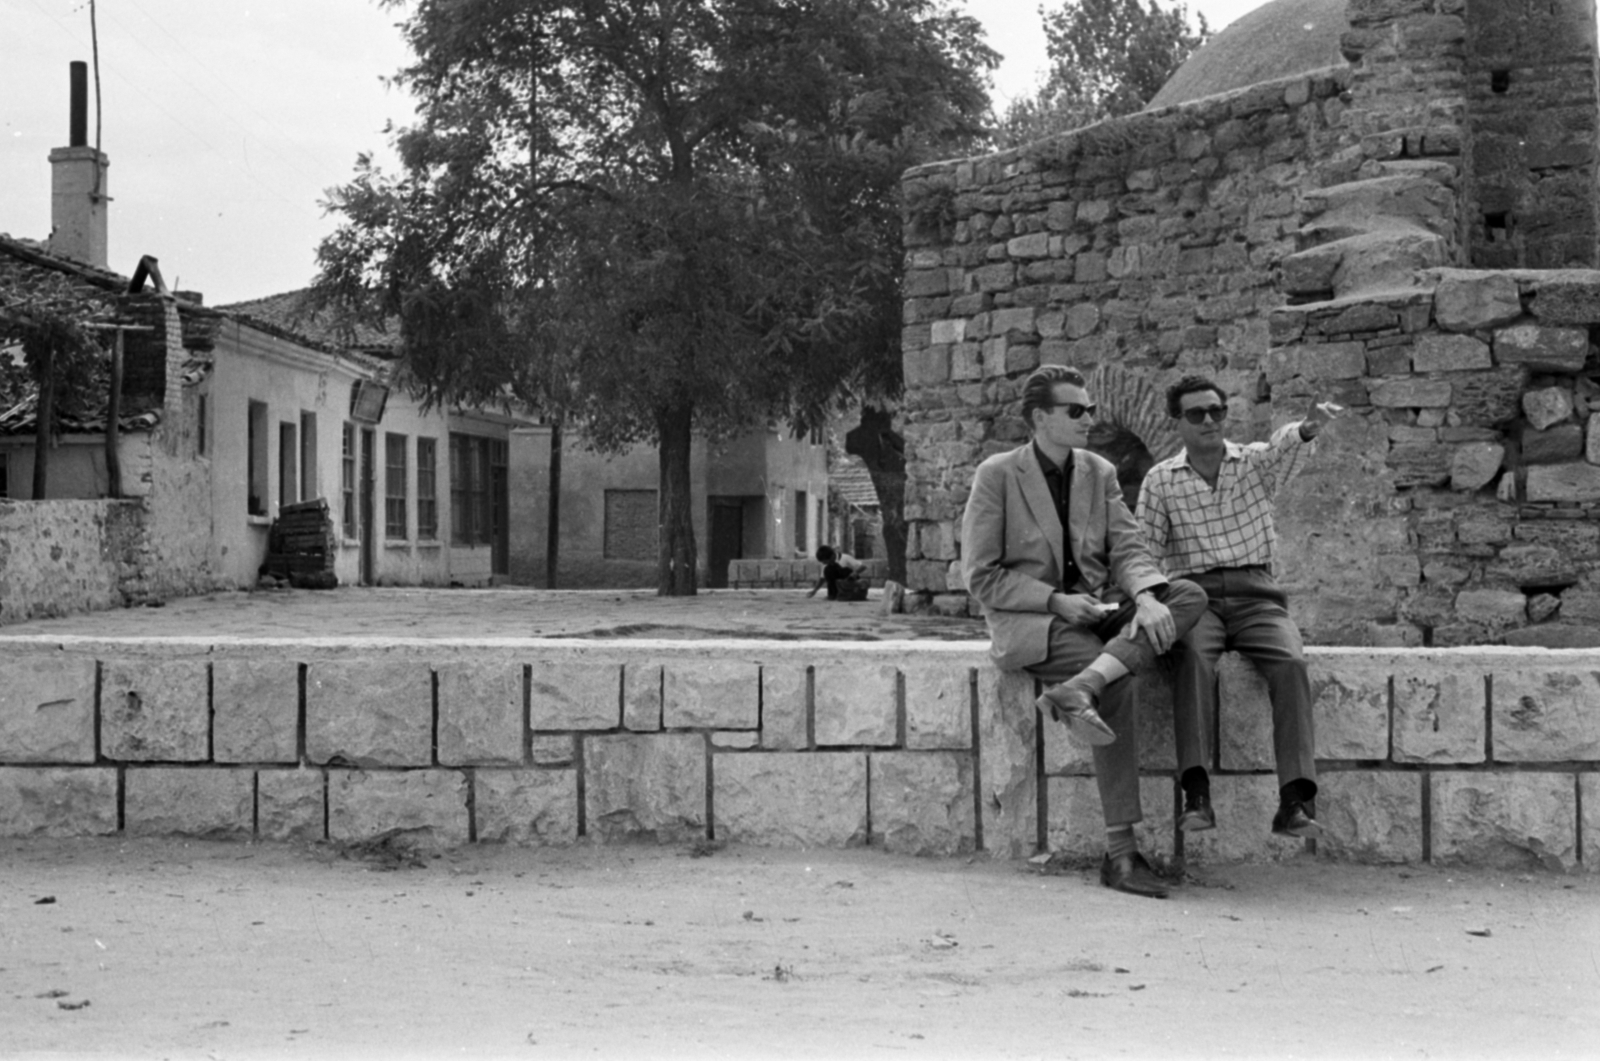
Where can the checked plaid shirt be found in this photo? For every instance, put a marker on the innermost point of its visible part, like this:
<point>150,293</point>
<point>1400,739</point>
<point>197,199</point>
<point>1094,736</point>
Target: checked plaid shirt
<point>1190,527</point>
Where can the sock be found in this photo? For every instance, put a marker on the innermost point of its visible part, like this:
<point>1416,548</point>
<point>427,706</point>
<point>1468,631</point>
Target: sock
<point>1299,789</point>
<point>1196,782</point>
<point>1089,679</point>
<point>1119,841</point>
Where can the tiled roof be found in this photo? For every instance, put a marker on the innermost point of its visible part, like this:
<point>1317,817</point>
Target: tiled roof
<point>850,479</point>
<point>293,315</point>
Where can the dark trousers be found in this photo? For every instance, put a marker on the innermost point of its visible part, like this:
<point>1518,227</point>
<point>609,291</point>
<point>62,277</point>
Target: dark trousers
<point>1072,648</point>
<point>1246,613</point>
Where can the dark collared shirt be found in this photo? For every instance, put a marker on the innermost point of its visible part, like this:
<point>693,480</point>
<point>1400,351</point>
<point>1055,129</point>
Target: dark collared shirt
<point>1061,492</point>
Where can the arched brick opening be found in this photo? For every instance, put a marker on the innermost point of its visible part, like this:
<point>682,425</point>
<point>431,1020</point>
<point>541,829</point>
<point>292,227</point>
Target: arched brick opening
<point>1132,429</point>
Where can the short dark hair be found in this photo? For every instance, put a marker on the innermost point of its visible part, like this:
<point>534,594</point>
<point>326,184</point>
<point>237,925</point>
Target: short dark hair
<point>1190,385</point>
<point>825,554</point>
<point>1038,390</point>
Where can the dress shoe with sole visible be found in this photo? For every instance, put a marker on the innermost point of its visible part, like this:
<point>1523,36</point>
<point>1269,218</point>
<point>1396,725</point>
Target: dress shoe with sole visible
<point>1293,819</point>
<point>1198,815</point>
<point>1075,707</point>
<point>1132,874</point>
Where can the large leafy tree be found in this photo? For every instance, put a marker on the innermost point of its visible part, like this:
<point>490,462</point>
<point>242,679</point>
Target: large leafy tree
<point>1107,58</point>
<point>658,219</point>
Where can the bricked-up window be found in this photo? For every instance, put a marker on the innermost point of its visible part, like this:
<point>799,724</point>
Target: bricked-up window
<point>802,516</point>
<point>347,480</point>
<point>427,489</point>
<point>394,486</point>
<point>632,517</point>
<point>256,443</point>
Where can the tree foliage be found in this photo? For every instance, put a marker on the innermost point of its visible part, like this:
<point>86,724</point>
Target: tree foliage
<point>662,219</point>
<point>1107,58</point>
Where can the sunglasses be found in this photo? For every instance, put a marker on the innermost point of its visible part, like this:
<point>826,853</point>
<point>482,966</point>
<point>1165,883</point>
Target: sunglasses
<point>1074,410</point>
<point>1218,413</point>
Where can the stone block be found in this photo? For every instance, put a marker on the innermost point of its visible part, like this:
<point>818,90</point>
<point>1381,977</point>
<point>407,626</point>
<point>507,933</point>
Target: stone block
<point>1421,463</point>
<point>922,802</point>
<point>1350,705</point>
<point>553,749</point>
<point>1559,445</point>
<point>1244,715</point>
<point>711,694</point>
<point>255,707</point>
<point>1491,607</point>
<point>1546,713</point>
<point>1370,815</point>
<point>216,803</point>
<point>575,695</point>
<point>46,708</point>
<point>1578,481</point>
<point>938,706</point>
<point>1468,302</point>
<point>1475,464</point>
<point>1007,722</point>
<point>1409,393</point>
<point>1245,804</point>
<point>1450,353</point>
<point>741,739</point>
<point>1591,446</point>
<point>525,806</point>
<point>1546,406</point>
<point>641,697</point>
<point>58,801</point>
<point>1440,709</point>
<point>1506,820</point>
<point>1075,823</point>
<point>291,805</point>
<point>1487,399</point>
<point>785,707</point>
<point>1568,296</point>
<point>645,786</point>
<point>154,710</point>
<point>428,807</point>
<point>480,713</point>
<point>369,713</point>
<point>856,705</point>
<point>789,799</point>
<point>1542,347</point>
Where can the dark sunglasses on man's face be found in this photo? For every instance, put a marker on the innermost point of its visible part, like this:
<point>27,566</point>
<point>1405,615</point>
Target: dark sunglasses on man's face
<point>1218,413</point>
<point>1074,410</point>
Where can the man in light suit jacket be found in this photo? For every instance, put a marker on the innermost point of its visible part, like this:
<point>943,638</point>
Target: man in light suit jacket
<point>1046,539</point>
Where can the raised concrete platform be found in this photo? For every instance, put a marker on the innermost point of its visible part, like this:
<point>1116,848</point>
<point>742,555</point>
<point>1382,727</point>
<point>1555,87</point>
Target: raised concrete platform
<point>1484,756</point>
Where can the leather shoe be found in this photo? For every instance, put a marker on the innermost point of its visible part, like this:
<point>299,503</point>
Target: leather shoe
<point>1198,815</point>
<point>1293,819</point>
<point>1075,707</point>
<point>1132,874</point>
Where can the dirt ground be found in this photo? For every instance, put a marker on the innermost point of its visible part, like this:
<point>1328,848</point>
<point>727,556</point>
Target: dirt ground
<point>363,611</point>
<point>170,949</point>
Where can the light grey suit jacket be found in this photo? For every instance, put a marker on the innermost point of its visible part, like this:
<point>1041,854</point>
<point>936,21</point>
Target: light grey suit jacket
<point>1013,548</point>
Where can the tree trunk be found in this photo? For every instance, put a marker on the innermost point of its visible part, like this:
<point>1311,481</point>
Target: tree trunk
<point>675,570</point>
<point>552,540</point>
<point>46,415</point>
<point>883,451</point>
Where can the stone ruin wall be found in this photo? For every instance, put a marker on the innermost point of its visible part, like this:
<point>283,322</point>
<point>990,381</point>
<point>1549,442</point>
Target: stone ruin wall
<point>1293,241</point>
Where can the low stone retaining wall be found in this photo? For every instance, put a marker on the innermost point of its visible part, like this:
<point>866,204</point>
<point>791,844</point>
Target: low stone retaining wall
<point>793,574</point>
<point>1483,756</point>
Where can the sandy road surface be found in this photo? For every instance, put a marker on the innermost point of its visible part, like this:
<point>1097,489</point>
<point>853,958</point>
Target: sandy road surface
<point>166,949</point>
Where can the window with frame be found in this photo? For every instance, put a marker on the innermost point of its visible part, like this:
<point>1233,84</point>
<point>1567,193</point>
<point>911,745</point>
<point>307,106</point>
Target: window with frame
<point>256,443</point>
<point>309,487</point>
<point>347,477</point>
<point>288,464</point>
<point>802,516</point>
<point>473,515</point>
<point>394,487</point>
<point>427,489</point>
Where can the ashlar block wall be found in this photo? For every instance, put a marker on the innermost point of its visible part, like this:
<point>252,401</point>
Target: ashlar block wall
<point>1482,756</point>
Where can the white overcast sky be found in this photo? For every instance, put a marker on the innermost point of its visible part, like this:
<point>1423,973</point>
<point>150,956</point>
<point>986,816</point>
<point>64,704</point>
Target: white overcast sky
<point>225,120</point>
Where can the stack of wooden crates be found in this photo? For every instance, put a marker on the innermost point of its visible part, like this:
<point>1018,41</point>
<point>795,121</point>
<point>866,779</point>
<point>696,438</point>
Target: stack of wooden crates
<point>301,546</point>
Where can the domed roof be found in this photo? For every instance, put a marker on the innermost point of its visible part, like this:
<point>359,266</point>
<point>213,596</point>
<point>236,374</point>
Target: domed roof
<point>1278,39</point>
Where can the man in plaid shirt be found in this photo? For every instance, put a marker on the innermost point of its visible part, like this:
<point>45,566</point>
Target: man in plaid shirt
<point>1206,515</point>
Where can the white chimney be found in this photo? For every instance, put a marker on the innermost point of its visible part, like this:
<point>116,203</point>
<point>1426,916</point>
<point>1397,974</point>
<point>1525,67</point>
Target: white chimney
<point>78,189</point>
